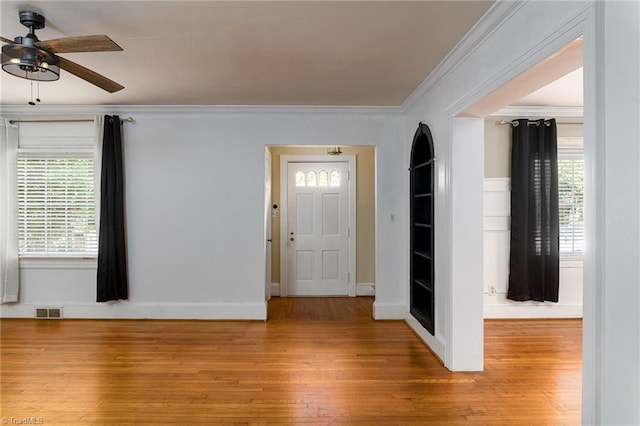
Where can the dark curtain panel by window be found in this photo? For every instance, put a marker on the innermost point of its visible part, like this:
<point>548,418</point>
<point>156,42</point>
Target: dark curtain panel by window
<point>112,260</point>
<point>534,260</point>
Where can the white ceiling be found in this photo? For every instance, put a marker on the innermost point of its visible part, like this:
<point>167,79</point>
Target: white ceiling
<point>247,53</point>
<point>567,91</point>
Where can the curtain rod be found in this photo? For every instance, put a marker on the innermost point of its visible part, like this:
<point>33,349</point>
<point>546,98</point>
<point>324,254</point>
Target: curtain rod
<point>80,120</point>
<point>515,123</point>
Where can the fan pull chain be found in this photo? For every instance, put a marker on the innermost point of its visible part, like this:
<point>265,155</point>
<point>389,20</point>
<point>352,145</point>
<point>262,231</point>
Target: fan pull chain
<point>31,101</point>
<point>38,84</point>
<point>37,91</point>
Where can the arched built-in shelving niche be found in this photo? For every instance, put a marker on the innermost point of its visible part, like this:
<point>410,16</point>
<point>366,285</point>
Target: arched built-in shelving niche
<point>422,232</point>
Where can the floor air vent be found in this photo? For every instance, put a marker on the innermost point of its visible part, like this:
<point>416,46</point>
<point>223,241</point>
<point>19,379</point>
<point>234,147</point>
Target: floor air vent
<point>51,313</point>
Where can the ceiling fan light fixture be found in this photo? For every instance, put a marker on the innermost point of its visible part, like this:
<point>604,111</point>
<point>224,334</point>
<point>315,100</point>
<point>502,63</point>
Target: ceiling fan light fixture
<point>35,60</point>
<point>30,63</point>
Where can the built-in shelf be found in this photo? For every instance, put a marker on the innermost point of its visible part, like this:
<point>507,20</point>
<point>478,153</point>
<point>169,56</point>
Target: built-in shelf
<point>425,164</point>
<point>424,283</point>
<point>423,318</point>
<point>422,305</point>
<point>423,254</point>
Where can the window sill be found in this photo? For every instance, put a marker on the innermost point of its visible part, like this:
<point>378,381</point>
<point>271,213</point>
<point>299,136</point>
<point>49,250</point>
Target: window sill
<point>48,262</point>
<point>571,261</point>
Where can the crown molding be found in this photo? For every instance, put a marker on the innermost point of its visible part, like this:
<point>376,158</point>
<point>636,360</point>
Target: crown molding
<point>539,111</point>
<point>66,111</point>
<point>564,34</point>
<point>489,23</point>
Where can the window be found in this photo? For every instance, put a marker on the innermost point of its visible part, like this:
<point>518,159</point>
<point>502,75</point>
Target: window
<point>311,178</point>
<point>321,178</point>
<point>56,196</point>
<point>571,195</point>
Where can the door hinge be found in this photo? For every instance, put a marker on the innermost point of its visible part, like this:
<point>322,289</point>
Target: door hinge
<point>348,174</point>
<point>348,277</point>
<point>348,232</point>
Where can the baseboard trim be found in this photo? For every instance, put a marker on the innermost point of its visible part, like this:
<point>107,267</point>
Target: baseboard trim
<point>388,311</point>
<point>518,311</point>
<point>365,289</point>
<point>434,343</point>
<point>275,289</point>
<point>362,289</point>
<point>128,310</point>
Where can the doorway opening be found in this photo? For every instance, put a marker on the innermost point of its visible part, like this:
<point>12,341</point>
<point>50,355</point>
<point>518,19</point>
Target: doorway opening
<point>551,89</point>
<point>311,208</point>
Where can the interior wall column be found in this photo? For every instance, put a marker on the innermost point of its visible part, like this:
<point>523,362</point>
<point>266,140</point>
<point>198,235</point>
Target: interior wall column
<point>465,343</point>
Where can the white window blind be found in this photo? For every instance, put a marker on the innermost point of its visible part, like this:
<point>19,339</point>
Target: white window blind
<point>56,206</point>
<point>56,190</point>
<point>571,195</point>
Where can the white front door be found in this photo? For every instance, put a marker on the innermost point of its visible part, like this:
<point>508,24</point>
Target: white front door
<point>318,229</point>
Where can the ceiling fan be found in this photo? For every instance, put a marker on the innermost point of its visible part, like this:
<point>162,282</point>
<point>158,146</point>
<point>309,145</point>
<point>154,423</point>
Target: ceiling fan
<point>28,57</point>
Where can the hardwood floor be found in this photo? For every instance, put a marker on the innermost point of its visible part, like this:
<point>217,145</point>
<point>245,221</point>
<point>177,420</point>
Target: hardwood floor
<point>316,361</point>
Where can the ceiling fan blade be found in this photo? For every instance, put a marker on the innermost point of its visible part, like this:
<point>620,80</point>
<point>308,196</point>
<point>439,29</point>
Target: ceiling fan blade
<point>90,76</point>
<point>6,40</point>
<point>93,43</point>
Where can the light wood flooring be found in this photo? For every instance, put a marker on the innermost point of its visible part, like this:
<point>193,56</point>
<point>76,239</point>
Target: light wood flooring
<point>316,361</point>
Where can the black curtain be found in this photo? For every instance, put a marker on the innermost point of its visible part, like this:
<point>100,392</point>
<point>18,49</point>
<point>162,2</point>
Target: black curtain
<point>534,260</point>
<point>112,259</point>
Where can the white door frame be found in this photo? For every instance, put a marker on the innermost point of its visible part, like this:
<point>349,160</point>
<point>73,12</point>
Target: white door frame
<point>284,190</point>
<point>267,222</point>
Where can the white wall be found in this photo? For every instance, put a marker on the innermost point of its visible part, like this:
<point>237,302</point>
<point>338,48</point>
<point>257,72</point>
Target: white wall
<point>612,350</point>
<point>466,332</point>
<point>497,209</point>
<point>195,212</point>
